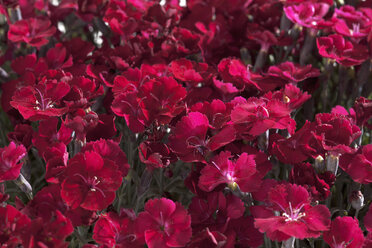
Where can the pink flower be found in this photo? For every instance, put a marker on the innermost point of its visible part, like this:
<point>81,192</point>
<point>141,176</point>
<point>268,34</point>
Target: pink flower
<point>344,232</point>
<point>241,172</point>
<point>297,218</point>
<point>10,168</point>
<point>164,224</point>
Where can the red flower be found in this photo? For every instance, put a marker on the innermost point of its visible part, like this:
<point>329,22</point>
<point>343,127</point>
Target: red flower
<point>48,200</point>
<point>359,165</point>
<point>184,70</point>
<point>368,219</point>
<point>297,217</point>
<point>189,139</point>
<point>363,110</point>
<point>41,101</point>
<point>242,172</point>
<point>48,232</point>
<point>290,95</point>
<point>258,115</point>
<point>33,31</point>
<point>304,174</point>
<point>344,232</point>
<point>335,47</point>
<point>115,230</point>
<point>155,154</point>
<point>335,132</point>
<point>10,168</point>
<point>12,225</point>
<point>91,182</point>
<point>109,149</point>
<point>48,136</point>
<point>164,224</point>
<point>162,99</point>
<point>207,238</point>
<point>291,72</point>
<point>233,71</point>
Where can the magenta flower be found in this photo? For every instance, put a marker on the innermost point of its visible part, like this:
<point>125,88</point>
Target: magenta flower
<point>297,218</point>
<point>10,166</point>
<point>241,172</point>
<point>308,14</point>
<point>164,224</point>
<point>344,232</point>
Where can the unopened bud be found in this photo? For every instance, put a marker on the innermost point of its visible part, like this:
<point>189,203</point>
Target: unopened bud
<point>332,163</point>
<point>286,99</point>
<point>233,186</point>
<point>356,199</point>
<point>319,164</point>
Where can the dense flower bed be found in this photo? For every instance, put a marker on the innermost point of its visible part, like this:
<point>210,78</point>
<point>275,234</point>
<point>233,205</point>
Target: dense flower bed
<point>214,123</point>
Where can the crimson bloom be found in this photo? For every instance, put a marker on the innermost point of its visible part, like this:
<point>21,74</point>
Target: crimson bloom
<point>41,101</point>
<point>335,47</point>
<point>12,224</point>
<point>48,232</point>
<point>91,181</point>
<point>359,165</point>
<point>258,115</point>
<point>292,72</point>
<point>344,232</point>
<point>241,172</point>
<point>109,149</point>
<point>33,31</point>
<point>116,230</point>
<point>189,139</point>
<point>297,217</point>
<point>164,223</point>
<point>10,168</point>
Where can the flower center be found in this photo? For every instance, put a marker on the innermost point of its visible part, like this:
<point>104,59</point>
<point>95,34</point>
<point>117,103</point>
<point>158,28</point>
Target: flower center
<point>293,214</point>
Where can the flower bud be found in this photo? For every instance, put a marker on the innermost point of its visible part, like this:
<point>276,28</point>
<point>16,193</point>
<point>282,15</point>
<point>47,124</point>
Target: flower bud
<point>356,199</point>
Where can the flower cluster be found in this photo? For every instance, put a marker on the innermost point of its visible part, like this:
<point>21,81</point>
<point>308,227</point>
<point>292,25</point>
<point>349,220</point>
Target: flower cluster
<point>148,123</point>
